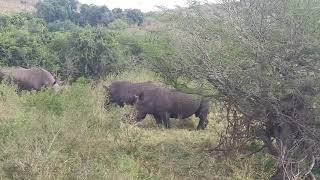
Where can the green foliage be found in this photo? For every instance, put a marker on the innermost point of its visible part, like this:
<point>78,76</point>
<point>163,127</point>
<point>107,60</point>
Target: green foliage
<point>45,101</point>
<point>62,26</point>
<point>23,43</point>
<point>55,41</point>
<point>94,15</point>
<point>134,16</point>
<point>158,53</point>
<point>53,10</point>
<point>94,52</point>
<point>131,43</point>
<point>118,24</point>
<point>117,13</point>
<point>68,50</point>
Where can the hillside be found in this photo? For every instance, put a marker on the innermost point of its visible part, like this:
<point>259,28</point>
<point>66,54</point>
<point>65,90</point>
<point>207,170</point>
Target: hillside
<point>14,6</point>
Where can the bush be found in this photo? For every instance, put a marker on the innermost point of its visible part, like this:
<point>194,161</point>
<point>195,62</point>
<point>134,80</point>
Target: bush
<point>118,24</point>
<point>92,52</point>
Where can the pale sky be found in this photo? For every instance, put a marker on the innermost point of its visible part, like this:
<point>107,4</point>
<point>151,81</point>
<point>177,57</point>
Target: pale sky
<point>143,5</point>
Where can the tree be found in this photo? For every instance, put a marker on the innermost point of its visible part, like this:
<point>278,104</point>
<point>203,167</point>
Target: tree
<point>23,43</point>
<point>62,26</point>
<point>94,15</point>
<point>89,52</point>
<point>134,16</point>
<point>261,57</point>
<point>117,13</point>
<point>52,10</point>
<point>118,24</point>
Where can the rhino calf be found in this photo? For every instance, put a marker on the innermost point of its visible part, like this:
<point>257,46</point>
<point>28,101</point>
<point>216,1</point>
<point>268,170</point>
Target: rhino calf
<point>164,103</point>
<point>28,79</point>
<point>123,92</point>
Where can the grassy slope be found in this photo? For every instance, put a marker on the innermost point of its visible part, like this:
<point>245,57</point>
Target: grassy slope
<point>71,136</point>
<point>15,6</point>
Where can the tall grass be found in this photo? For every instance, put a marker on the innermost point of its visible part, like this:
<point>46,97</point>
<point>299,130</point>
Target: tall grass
<point>70,135</point>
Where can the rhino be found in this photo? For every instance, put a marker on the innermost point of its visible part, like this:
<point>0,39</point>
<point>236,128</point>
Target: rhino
<point>34,78</point>
<point>165,103</point>
<point>123,92</point>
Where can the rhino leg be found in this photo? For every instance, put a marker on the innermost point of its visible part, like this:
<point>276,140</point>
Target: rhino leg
<point>121,104</point>
<point>158,119</point>
<point>164,116</point>
<point>140,116</point>
<point>202,114</point>
<point>203,122</point>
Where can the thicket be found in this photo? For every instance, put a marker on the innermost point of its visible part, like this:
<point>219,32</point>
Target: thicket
<point>76,51</point>
<point>262,58</point>
<point>69,39</point>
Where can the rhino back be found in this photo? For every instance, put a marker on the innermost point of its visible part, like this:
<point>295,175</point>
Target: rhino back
<point>184,105</point>
<point>177,104</point>
<point>28,79</point>
<point>119,90</point>
<point>17,75</point>
<point>45,76</point>
<point>126,91</point>
<point>138,88</point>
<point>156,100</point>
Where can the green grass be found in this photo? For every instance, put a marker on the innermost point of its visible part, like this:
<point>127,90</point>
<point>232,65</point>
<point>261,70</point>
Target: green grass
<point>70,135</point>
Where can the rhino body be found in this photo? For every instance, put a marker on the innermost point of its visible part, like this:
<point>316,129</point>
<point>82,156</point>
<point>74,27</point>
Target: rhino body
<point>164,103</point>
<point>28,79</point>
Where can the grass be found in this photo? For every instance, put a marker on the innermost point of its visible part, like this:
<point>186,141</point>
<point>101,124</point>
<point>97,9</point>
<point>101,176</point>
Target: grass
<point>70,135</point>
<point>16,6</point>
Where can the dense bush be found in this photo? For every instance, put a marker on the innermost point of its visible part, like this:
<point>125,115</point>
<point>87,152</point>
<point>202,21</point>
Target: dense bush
<point>262,58</point>
<point>90,52</point>
<point>69,51</point>
<point>23,42</point>
<point>69,43</point>
<point>53,10</point>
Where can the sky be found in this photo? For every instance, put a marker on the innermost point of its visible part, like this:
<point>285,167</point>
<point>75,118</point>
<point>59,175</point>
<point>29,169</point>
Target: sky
<point>143,5</point>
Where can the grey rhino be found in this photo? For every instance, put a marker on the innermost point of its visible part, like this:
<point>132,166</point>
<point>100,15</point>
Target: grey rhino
<point>123,92</point>
<point>28,79</point>
<point>165,103</point>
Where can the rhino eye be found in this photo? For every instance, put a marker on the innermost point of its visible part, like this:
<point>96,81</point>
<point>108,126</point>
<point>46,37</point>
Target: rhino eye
<point>55,82</point>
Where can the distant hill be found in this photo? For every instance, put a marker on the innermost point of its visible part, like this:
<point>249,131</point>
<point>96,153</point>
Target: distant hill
<point>15,6</point>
